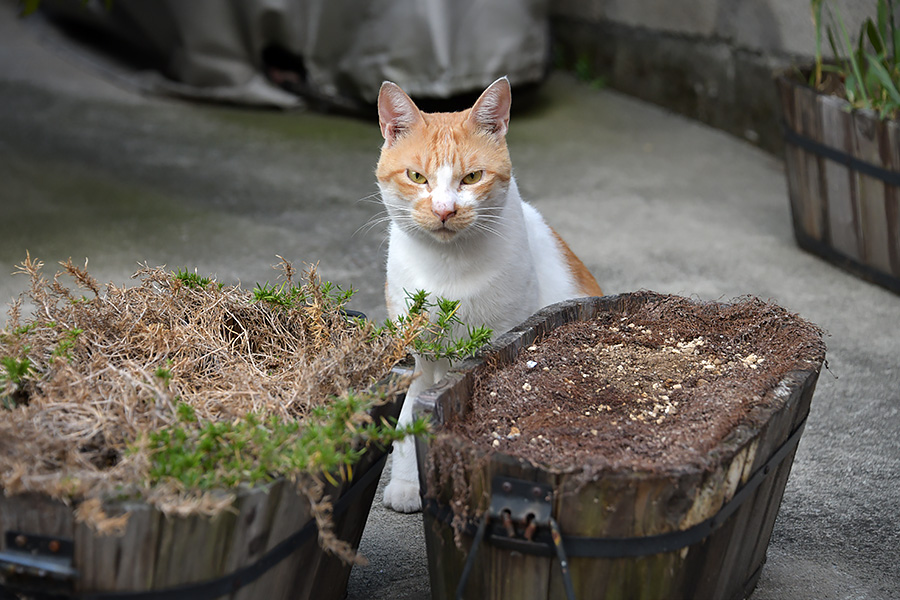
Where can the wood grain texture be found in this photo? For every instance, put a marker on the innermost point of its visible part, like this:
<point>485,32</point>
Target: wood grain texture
<point>840,190</point>
<point>867,133</point>
<point>811,167</point>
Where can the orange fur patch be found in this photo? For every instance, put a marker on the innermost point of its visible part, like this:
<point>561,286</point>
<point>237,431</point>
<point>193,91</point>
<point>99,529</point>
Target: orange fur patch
<point>444,139</point>
<point>585,282</point>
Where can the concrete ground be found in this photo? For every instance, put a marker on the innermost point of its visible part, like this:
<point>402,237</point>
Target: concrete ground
<point>648,200</point>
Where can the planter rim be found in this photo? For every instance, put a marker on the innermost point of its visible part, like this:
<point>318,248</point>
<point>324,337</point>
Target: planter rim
<point>774,400</point>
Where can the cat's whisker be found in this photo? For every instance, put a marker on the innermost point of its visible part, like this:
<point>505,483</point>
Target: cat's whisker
<point>491,218</point>
<point>374,198</point>
<point>490,230</point>
<point>375,221</point>
<point>491,223</point>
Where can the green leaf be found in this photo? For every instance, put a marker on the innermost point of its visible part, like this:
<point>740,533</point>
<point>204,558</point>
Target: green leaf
<point>883,17</point>
<point>875,38</point>
<point>852,59</point>
<point>890,86</point>
<point>816,6</point>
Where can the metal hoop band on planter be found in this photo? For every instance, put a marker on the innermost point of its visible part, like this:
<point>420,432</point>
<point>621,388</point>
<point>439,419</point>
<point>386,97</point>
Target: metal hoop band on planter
<point>866,168</point>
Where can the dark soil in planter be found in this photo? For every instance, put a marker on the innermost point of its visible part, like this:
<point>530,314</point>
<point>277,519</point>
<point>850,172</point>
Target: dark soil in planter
<point>653,390</point>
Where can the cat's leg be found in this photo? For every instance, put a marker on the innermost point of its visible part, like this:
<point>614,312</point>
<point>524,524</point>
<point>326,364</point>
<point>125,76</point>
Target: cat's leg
<point>402,492</point>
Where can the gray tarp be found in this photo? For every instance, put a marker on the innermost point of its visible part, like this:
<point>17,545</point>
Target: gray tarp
<point>339,50</point>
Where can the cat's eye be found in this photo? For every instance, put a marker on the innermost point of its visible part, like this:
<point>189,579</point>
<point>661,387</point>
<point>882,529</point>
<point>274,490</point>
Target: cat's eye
<point>416,177</point>
<point>473,177</point>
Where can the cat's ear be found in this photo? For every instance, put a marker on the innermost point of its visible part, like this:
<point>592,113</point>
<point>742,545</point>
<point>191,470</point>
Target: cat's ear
<point>491,111</point>
<point>396,112</point>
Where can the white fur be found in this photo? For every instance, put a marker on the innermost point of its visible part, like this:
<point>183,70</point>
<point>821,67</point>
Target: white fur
<point>501,275</point>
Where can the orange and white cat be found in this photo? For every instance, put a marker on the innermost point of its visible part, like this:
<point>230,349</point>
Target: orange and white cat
<point>459,229</point>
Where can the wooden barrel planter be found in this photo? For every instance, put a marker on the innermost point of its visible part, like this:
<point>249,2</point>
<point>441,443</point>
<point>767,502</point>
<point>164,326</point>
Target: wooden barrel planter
<point>266,547</point>
<point>501,526</point>
<point>843,174</point>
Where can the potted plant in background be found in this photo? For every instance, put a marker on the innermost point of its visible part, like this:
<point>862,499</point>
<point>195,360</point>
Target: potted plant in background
<point>842,138</point>
<point>185,435</point>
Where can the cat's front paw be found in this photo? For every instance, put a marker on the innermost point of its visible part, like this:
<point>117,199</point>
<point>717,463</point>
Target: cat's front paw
<point>402,496</point>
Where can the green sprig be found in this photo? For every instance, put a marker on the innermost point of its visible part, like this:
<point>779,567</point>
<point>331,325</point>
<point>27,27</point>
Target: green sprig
<point>436,338</point>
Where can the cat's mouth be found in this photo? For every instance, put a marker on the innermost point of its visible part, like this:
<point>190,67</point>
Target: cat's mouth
<point>444,233</point>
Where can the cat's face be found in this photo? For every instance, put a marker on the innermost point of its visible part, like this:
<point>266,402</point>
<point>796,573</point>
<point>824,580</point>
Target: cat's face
<point>444,175</point>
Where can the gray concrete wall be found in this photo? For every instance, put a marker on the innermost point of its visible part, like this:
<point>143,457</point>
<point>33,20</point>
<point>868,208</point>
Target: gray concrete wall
<point>709,59</point>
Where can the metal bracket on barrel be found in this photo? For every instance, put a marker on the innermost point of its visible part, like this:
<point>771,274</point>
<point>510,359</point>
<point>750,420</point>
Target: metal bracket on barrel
<point>518,511</point>
<point>37,563</point>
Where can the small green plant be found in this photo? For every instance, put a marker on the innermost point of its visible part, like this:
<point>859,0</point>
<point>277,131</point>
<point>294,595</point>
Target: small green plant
<point>869,70</point>
<point>435,324</point>
<point>165,374</point>
<point>66,343</point>
<point>584,71</point>
<point>192,280</point>
<point>287,295</point>
<point>284,295</point>
<point>15,371</point>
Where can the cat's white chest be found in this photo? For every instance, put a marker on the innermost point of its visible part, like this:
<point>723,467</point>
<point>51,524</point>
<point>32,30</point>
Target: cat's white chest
<point>494,289</point>
<point>500,277</point>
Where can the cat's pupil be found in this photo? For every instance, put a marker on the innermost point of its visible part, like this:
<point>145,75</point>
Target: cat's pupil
<point>473,177</point>
<point>416,177</point>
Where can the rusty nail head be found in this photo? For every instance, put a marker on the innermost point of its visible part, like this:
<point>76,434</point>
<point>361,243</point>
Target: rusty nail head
<point>21,540</point>
<point>54,546</point>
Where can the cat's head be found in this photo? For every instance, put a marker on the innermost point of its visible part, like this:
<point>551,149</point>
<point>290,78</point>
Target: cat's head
<point>444,175</point>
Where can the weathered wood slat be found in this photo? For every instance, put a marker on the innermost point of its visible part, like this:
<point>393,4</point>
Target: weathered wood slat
<point>892,198</point>
<point>840,190</point>
<point>811,207</point>
<point>506,573</point>
<point>290,515</point>
<point>793,156</point>
<point>872,210</point>
<point>35,514</point>
<point>257,508</point>
<point>137,548</point>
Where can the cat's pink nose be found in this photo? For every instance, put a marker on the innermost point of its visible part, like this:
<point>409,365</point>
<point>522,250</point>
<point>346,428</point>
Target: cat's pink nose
<point>443,213</point>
